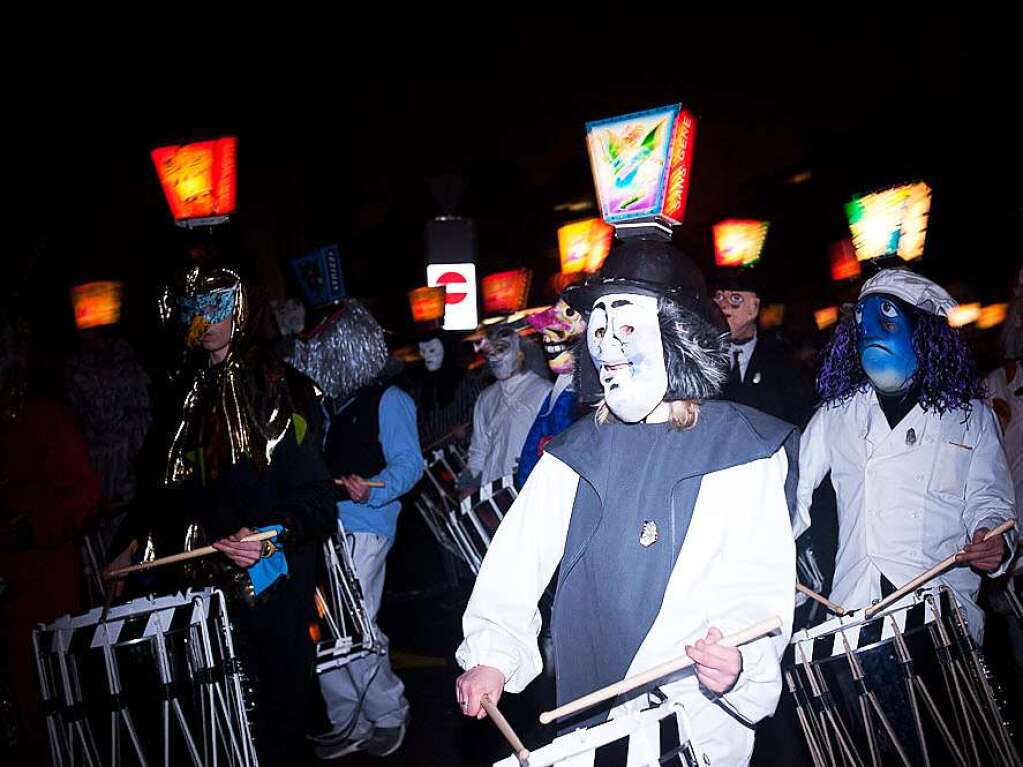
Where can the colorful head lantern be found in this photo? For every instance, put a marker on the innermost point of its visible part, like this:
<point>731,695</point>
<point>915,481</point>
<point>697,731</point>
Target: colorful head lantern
<point>560,327</point>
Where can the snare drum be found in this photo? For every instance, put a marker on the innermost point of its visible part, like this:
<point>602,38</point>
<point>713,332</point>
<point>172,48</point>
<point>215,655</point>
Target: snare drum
<point>905,686</point>
<point>654,736</point>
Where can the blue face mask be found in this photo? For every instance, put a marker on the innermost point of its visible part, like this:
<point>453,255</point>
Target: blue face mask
<point>885,344</point>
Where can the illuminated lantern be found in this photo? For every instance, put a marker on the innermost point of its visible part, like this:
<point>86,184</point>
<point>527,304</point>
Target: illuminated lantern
<point>739,243</point>
<point>319,275</point>
<point>964,314</point>
<point>584,245</point>
<point>96,304</point>
<point>505,292</point>
<point>427,303</point>
<point>772,315</point>
<point>844,264</point>
<point>642,167</point>
<point>826,317</point>
<point>199,180</point>
<point>992,315</point>
<point>892,222</point>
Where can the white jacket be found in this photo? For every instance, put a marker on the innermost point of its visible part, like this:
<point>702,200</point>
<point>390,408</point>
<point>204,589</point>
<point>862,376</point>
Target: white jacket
<point>501,420</point>
<point>908,497</point>
<point>736,567</point>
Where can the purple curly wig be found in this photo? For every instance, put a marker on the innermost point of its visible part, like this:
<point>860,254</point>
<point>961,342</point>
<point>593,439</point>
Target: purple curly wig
<point>946,373</point>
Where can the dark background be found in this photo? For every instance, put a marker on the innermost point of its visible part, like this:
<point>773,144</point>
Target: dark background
<point>337,143</point>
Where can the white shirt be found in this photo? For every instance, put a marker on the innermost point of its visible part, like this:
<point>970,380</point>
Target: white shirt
<point>501,420</point>
<point>736,568</point>
<point>1008,406</point>
<point>905,500</point>
<point>742,353</point>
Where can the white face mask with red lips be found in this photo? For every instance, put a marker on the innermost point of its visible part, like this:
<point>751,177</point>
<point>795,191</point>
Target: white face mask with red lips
<point>623,335</point>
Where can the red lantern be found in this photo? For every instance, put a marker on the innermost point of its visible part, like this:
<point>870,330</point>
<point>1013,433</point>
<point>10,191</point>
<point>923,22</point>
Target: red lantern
<point>199,180</point>
<point>844,264</point>
<point>96,304</point>
<point>427,303</point>
<point>584,245</point>
<point>506,292</point>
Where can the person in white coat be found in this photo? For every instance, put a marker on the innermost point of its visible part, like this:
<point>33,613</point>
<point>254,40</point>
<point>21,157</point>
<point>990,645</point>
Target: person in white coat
<point>667,513</point>
<point>505,410</point>
<point>914,453</point>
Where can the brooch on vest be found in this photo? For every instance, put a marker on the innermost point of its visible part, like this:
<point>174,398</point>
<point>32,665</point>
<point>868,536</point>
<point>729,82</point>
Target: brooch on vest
<point>648,534</point>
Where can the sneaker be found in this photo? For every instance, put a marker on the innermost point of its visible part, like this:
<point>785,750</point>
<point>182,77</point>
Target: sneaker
<point>386,740</point>
<point>327,750</point>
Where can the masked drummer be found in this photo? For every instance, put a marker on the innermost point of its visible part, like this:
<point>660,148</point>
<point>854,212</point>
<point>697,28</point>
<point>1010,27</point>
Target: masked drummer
<point>914,453</point>
<point>666,511</point>
<point>244,456</point>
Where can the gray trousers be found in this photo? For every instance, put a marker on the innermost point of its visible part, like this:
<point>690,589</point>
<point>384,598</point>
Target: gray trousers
<point>366,693</point>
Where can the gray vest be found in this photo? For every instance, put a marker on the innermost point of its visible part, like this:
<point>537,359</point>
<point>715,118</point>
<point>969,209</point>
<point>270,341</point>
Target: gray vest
<point>636,476</point>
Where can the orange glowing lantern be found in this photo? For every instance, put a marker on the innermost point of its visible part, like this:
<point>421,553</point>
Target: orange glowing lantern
<point>584,245</point>
<point>890,222</point>
<point>844,264</point>
<point>96,304</point>
<point>199,180</point>
<point>772,315</point>
<point>963,315</point>
<point>826,317</point>
<point>992,315</point>
<point>427,303</point>
<point>739,243</point>
<point>505,292</point>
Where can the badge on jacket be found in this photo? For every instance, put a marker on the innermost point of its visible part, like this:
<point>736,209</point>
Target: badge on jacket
<point>648,534</point>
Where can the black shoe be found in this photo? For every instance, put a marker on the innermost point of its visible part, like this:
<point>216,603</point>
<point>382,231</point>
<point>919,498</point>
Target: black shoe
<point>386,740</point>
<point>326,748</point>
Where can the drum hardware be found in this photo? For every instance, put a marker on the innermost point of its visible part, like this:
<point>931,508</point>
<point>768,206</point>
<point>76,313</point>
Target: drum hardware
<point>826,708</point>
<point>804,724</point>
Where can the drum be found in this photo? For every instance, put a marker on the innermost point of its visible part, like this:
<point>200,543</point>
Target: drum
<point>653,736</point>
<point>483,511</point>
<point>906,687</point>
<point>343,631</point>
<point>157,681</point>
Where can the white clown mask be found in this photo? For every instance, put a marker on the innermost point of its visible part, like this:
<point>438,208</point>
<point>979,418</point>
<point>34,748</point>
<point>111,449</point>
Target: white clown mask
<point>432,352</point>
<point>624,339</point>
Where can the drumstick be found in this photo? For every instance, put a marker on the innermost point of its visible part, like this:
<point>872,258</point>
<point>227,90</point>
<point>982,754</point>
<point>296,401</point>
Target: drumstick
<point>755,631</point>
<point>835,608</point>
<point>183,556</point>
<point>521,752</point>
<point>367,484</point>
<point>934,572</point>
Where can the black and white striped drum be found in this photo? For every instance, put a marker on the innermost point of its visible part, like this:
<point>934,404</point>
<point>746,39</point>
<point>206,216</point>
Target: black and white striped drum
<point>905,687</point>
<point>154,681</point>
<point>651,737</point>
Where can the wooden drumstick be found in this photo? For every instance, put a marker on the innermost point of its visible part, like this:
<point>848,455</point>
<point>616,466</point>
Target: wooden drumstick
<point>646,677</point>
<point>934,572</point>
<point>367,484</point>
<point>521,752</point>
<point>183,556</point>
<point>837,609</point>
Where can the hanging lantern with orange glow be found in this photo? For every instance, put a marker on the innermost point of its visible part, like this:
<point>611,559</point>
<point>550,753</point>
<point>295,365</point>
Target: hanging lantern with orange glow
<point>584,245</point>
<point>505,292</point>
<point>844,264</point>
<point>892,222</point>
<point>739,242</point>
<point>427,303</point>
<point>96,304</point>
<point>826,317</point>
<point>642,166</point>
<point>199,180</point>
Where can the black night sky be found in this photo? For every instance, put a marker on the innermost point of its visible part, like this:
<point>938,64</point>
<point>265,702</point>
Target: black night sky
<point>338,146</point>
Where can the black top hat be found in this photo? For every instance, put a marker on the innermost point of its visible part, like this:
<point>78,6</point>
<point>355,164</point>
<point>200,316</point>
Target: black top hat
<point>741,278</point>
<point>649,267</point>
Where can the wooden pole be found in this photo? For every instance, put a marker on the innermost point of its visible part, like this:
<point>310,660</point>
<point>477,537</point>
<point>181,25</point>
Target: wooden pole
<point>934,572</point>
<point>521,752</point>
<point>646,677</point>
<point>183,556</point>
<point>837,609</point>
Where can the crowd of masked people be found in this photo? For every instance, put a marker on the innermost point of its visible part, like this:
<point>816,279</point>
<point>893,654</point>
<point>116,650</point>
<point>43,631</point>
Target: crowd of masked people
<point>251,428</point>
